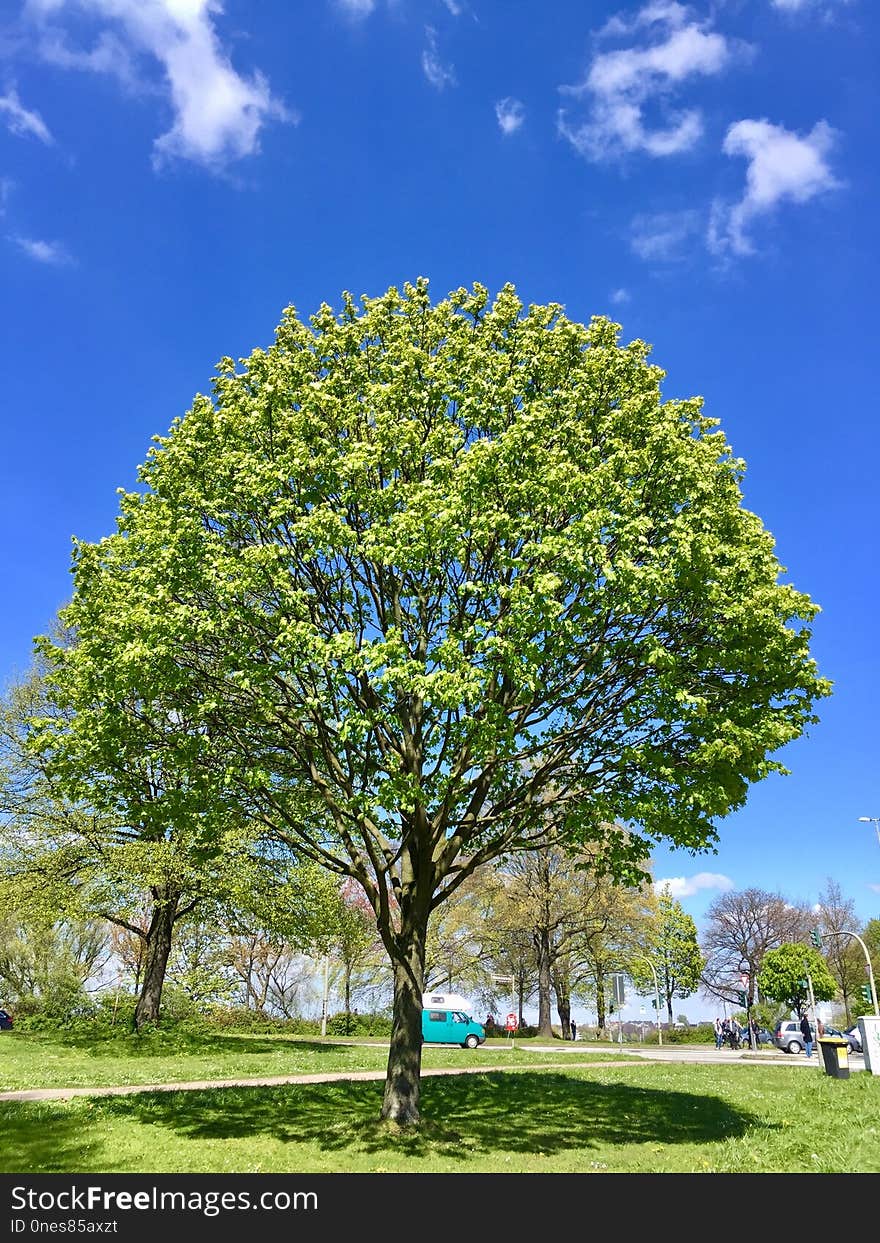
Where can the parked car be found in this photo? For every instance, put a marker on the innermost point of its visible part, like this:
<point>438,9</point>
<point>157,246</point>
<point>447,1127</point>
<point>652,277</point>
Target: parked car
<point>853,1038</point>
<point>764,1036</point>
<point>5,1021</point>
<point>788,1036</point>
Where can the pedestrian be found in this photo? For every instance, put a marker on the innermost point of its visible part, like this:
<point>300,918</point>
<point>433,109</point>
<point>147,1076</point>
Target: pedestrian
<point>820,1028</point>
<point>574,1030</point>
<point>719,1032</point>
<point>807,1033</point>
<point>734,1034</point>
<point>753,1028</point>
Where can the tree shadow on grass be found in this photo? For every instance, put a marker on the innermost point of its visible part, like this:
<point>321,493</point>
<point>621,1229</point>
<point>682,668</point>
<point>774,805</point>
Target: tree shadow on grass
<point>522,1113</point>
<point>46,1138</point>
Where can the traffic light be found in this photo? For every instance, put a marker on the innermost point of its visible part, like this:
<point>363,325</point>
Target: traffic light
<point>743,999</point>
<point>802,984</point>
<point>865,990</point>
<point>815,939</point>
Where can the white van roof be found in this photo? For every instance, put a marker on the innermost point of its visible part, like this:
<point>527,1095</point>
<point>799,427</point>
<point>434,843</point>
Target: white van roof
<point>446,1001</point>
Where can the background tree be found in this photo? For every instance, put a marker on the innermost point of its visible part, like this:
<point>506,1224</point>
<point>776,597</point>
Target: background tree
<point>412,569</point>
<point>356,945</point>
<point>82,859</point>
<point>675,952</point>
<point>783,977</point>
<point>47,965</point>
<point>741,927</point>
<point>843,954</point>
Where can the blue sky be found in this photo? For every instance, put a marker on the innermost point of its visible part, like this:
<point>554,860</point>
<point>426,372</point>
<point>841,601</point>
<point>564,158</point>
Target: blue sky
<point>175,172</point>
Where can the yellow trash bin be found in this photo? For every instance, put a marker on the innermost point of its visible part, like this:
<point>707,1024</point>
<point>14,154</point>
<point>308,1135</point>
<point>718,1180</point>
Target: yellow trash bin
<point>835,1055</point>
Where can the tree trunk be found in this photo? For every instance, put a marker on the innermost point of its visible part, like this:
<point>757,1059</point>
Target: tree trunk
<point>542,947</point>
<point>563,1007</point>
<point>158,949</point>
<point>600,1003</point>
<point>347,999</point>
<point>400,1103</point>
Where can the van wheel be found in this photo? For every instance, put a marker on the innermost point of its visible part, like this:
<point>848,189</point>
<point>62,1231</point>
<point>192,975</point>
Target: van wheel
<point>794,1046</point>
<point>471,1042</point>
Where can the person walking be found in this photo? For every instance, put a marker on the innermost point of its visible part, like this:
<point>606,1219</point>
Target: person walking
<point>574,1030</point>
<point>719,1033</point>
<point>807,1033</point>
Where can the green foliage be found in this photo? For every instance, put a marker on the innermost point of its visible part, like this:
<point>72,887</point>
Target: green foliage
<point>421,584</point>
<point>783,975</point>
<point>673,950</point>
<point>356,1024</point>
<point>513,467</point>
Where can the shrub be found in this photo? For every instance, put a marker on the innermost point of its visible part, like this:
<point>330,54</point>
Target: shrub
<point>355,1024</point>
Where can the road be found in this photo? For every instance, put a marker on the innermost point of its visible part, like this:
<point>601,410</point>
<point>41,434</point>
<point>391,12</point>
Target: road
<point>693,1053</point>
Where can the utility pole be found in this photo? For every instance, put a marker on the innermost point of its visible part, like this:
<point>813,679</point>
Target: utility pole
<point>641,958</point>
<point>326,992</point>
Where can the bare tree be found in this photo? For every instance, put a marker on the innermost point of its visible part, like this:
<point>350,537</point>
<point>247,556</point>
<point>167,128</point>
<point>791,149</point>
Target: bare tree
<point>844,955</point>
<point>742,926</point>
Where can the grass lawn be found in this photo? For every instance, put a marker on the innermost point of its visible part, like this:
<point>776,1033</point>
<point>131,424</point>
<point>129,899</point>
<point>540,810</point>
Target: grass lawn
<point>639,1117</point>
<point>75,1059</point>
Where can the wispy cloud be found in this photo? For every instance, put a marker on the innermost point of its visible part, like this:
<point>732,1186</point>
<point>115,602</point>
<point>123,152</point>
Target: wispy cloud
<point>356,8</point>
<point>510,114</point>
<point>619,297</point>
<point>43,252</point>
<point>666,237</point>
<point>687,886</point>
<point>793,6</point>
<point>21,120</point>
<point>782,167</point>
<point>218,113</point>
<point>437,73</point>
<point>619,84</point>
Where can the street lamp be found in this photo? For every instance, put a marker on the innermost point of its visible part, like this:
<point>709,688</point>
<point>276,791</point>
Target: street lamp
<point>642,958</point>
<point>875,820</point>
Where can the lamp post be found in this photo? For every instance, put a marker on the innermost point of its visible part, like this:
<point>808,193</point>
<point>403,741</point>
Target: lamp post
<point>844,933</point>
<point>746,981</point>
<point>641,958</point>
<point>875,820</point>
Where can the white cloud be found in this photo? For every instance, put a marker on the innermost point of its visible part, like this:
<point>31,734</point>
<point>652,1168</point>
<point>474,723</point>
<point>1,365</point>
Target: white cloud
<point>454,7</point>
<point>619,296</point>
<point>438,74</point>
<point>665,236</point>
<point>687,886</point>
<point>510,114</point>
<point>619,84</point>
<point>43,252</point>
<point>357,8</point>
<point>781,167</point>
<point>21,120</point>
<point>217,113</point>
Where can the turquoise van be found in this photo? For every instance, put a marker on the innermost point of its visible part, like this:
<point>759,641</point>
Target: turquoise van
<point>451,1027</point>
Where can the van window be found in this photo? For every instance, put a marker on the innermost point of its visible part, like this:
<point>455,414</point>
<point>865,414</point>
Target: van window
<point>458,1017</point>
<point>437,1016</point>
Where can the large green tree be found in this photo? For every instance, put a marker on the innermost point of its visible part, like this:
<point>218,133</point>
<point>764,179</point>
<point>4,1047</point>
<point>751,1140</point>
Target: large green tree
<point>421,584</point>
<point>674,951</point>
<point>786,973</point>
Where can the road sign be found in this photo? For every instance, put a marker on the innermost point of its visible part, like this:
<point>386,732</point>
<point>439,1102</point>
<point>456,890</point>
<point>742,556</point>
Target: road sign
<point>512,1023</point>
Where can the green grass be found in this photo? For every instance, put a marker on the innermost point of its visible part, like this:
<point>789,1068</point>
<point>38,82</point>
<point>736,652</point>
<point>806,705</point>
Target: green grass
<point>639,1117</point>
<point>92,1059</point>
